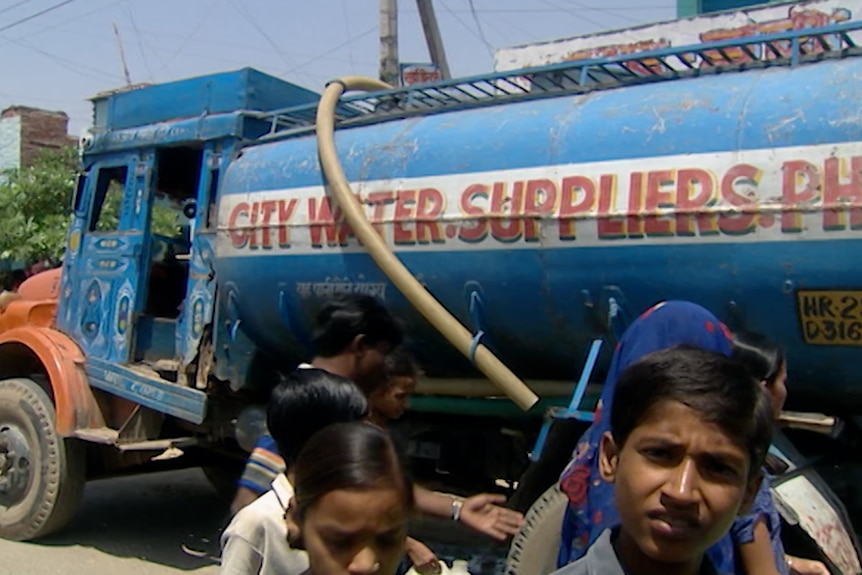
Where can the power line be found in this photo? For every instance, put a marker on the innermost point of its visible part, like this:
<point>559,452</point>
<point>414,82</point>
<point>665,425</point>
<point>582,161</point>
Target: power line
<point>188,38</point>
<point>347,29</point>
<point>140,44</point>
<point>322,55</point>
<point>480,29</point>
<point>68,21</point>
<point>577,14</point>
<point>36,15</point>
<point>250,19</point>
<point>615,14</point>
<point>463,24</point>
<point>554,10</point>
<point>82,68</point>
<point>13,6</point>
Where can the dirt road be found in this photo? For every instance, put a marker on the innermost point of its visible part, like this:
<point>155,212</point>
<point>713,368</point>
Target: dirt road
<point>168,523</point>
<point>145,525</point>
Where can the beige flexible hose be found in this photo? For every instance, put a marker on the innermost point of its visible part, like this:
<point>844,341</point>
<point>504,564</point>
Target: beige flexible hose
<point>423,301</point>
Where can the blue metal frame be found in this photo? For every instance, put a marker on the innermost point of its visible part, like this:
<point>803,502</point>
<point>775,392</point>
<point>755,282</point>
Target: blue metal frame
<point>163,396</point>
<point>572,412</point>
<point>574,77</point>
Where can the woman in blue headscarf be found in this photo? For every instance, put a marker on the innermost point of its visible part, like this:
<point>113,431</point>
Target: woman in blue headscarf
<point>591,507</point>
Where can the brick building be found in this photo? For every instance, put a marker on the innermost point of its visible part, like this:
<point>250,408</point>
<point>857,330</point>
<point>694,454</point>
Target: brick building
<point>25,131</point>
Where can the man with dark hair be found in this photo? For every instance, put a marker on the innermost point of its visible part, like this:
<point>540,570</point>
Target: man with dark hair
<point>353,334</point>
<point>689,433</point>
<point>255,542</point>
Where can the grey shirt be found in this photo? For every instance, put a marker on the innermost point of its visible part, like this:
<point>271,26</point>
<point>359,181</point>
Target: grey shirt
<point>601,559</point>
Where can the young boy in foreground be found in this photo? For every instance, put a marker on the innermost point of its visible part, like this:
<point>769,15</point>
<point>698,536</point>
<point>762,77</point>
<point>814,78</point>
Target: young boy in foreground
<point>255,542</point>
<point>689,432</point>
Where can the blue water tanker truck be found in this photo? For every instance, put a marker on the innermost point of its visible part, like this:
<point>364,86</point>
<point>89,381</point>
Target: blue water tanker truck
<point>511,221</point>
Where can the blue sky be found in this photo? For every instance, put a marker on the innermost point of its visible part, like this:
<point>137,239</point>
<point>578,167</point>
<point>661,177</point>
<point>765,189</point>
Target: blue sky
<point>57,59</point>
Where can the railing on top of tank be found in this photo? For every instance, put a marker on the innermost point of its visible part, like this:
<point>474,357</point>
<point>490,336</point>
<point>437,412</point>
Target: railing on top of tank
<point>787,48</point>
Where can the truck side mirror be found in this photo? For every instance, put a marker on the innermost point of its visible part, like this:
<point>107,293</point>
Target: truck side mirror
<point>190,209</point>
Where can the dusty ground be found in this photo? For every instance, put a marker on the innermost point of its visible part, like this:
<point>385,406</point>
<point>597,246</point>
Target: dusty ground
<point>170,522</point>
<point>136,525</point>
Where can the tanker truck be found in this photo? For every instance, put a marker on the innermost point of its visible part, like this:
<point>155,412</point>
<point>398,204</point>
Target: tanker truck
<point>510,220</point>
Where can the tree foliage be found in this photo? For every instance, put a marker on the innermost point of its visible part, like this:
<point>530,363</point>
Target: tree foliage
<point>35,208</point>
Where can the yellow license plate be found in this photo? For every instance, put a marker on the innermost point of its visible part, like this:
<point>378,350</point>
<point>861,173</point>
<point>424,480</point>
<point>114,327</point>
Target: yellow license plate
<point>830,317</point>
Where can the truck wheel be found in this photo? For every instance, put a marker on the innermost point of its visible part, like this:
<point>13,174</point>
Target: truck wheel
<point>41,474</point>
<point>534,549</point>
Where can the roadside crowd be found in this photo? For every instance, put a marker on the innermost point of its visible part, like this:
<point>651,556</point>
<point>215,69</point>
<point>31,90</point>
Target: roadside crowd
<point>670,478</point>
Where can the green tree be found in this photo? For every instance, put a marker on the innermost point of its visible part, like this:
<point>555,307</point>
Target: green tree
<point>34,208</point>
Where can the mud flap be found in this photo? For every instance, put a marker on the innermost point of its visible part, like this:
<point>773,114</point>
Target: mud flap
<point>805,500</point>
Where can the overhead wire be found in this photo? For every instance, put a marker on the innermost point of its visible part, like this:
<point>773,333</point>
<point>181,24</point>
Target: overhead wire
<point>347,30</point>
<point>602,25</point>
<point>480,29</point>
<point>333,49</point>
<point>36,15</point>
<point>188,38</point>
<point>140,43</point>
<point>464,24</point>
<point>67,21</point>
<point>250,19</point>
<point>13,6</point>
<point>82,68</point>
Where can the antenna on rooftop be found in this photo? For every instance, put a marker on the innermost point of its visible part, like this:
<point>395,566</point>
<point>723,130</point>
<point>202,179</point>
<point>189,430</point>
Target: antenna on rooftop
<point>122,55</point>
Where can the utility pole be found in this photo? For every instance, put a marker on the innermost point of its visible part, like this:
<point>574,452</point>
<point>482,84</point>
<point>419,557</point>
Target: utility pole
<point>122,56</point>
<point>389,71</point>
<point>432,36</point>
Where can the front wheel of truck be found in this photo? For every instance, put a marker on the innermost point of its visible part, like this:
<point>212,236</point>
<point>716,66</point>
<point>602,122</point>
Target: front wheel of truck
<point>42,474</point>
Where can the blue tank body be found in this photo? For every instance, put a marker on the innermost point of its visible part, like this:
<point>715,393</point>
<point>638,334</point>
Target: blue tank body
<point>560,219</point>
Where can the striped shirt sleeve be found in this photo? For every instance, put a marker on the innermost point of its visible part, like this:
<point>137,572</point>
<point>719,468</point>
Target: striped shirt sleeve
<point>262,466</point>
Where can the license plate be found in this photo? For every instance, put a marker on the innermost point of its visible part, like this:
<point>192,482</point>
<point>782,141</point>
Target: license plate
<point>830,317</point>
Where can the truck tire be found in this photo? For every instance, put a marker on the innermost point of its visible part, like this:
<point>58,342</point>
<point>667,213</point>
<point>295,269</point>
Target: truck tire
<point>42,475</point>
<point>534,549</point>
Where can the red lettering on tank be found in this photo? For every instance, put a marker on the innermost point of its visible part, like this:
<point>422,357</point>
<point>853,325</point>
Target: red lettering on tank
<point>503,228</point>
<point>801,189</point>
<point>267,209</point>
<point>286,209</point>
<point>238,236</point>
<point>695,190</point>
<point>380,201</point>
<point>577,196</point>
<point>475,218</point>
<point>540,199</point>
<point>609,227</point>
<point>430,206</point>
<point>321,220</point>
<point>635,221</point>
<point>739,189</point>
<point>659,195</point>
<point>252,220</point>
<point>403,229</point>
<point>842,189</point>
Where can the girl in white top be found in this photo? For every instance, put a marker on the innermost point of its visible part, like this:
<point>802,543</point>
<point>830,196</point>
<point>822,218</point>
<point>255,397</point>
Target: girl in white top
<point>352,502</point>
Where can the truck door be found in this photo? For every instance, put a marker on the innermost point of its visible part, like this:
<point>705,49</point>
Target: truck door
<point>104,265</point>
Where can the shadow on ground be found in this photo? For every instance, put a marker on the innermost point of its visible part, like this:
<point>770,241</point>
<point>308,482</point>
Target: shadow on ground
<point>172,518</point>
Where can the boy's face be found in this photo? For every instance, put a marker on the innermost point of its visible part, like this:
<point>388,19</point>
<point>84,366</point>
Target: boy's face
<point>393,401</point>
<point>369,361</point>
<point>679,482</point>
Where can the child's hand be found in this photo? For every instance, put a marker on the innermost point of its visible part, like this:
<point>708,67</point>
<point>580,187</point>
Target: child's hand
<point>799,566</point>
<point>423,559</point>
<point>481,513</point>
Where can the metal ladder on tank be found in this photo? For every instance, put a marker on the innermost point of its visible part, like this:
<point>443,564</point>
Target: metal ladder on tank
<point>783,49</point>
